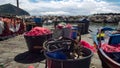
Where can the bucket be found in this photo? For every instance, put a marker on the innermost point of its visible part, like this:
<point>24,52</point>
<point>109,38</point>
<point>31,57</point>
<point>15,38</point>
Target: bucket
<point>35,43</point>
<point>58,54</point>
<point>70,63</point>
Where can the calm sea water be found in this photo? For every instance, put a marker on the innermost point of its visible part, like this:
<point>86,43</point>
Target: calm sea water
<point>95,26</point>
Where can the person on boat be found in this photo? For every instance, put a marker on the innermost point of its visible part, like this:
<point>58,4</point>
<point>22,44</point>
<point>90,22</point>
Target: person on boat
<point>100,34</point>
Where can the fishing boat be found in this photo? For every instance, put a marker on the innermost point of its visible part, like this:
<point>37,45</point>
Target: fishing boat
<point>109,55</point>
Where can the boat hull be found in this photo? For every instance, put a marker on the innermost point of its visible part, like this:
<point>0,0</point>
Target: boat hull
<point>106,61</point>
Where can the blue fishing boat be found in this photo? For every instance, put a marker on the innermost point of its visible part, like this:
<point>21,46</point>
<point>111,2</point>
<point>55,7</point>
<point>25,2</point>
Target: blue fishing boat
<point>107,45</point>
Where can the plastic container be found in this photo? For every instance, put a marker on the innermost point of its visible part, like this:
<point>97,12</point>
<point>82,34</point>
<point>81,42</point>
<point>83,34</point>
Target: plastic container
<point>70,63</point>
<point>74,33</point>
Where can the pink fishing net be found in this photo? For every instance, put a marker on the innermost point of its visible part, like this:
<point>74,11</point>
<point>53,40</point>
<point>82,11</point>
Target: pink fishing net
<point>111,48</point>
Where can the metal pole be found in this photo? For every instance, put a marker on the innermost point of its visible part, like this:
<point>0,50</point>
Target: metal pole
<point>18,3</point>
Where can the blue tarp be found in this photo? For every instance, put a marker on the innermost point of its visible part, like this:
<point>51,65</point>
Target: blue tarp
<point>107,29</point>
<point>37,20</point>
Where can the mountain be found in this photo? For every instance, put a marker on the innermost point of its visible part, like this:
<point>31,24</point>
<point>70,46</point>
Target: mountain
<point>9,9</point>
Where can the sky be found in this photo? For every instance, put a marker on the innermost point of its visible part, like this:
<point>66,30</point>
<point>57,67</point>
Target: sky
<point>67,7</point>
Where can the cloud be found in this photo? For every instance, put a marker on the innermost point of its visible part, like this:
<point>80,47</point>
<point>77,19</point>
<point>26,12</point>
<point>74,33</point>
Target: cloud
<point>67,7</point>
<point>55,13</point>
<point>7,1</point>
